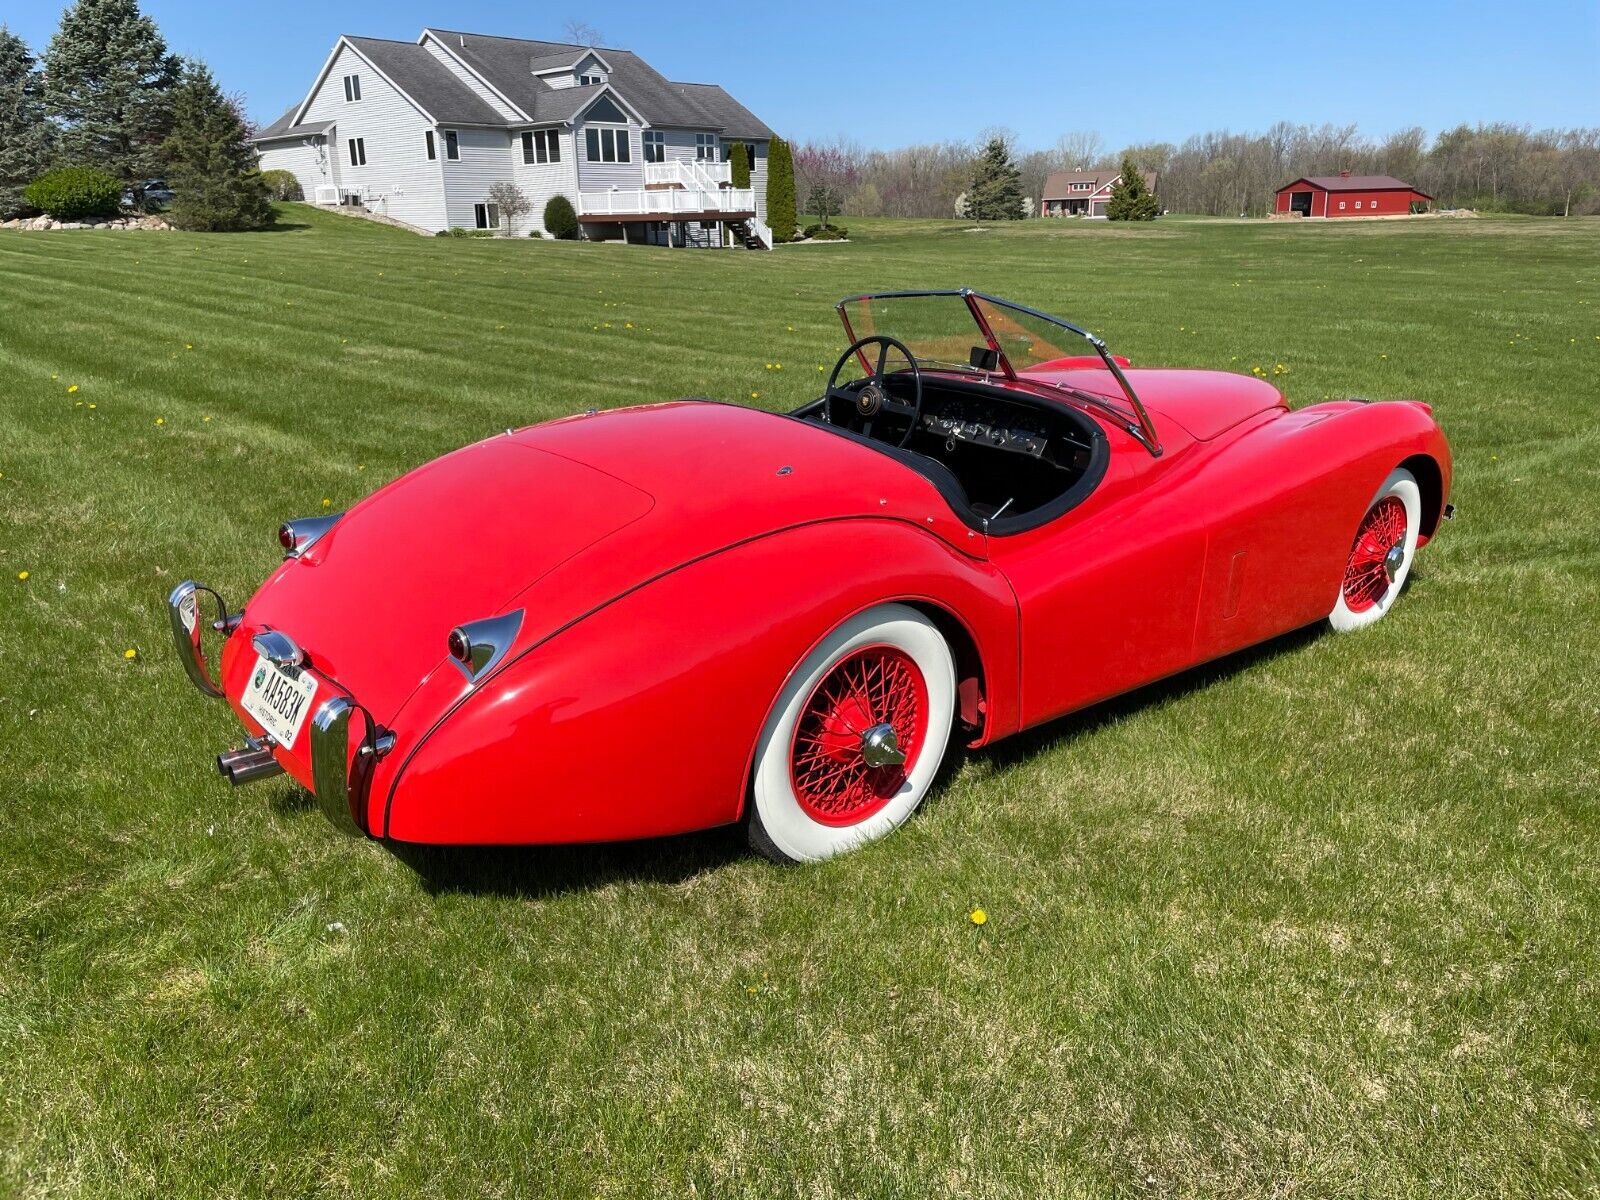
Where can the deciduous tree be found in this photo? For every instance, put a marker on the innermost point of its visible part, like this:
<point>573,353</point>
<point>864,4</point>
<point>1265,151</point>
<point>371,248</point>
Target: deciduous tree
<point>513,202</point>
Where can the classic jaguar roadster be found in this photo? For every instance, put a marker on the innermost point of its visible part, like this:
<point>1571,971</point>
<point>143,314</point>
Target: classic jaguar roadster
<point>650,620</point>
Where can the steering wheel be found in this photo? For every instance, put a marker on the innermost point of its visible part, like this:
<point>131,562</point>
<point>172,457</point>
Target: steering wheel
<point>870,397</point>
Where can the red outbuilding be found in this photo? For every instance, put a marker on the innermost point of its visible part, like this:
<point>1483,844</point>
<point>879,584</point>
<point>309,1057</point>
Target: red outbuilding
<point>1347,195</point>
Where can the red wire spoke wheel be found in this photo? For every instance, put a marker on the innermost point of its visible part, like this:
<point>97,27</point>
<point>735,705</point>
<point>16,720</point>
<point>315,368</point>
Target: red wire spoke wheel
<point>1370,572</point>
<point>854,737</point>
<point>858,735</point>
<point>1380,556</point>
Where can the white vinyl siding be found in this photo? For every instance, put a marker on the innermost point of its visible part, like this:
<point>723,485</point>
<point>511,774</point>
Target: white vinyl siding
<point>479,88</point>
<point>397,180</point>
<point>307,159</point>
<point>486,159</point>
<point>587,65</point>
<point>539,181</point>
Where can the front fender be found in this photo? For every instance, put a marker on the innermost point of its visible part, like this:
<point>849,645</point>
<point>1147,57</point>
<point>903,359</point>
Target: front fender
<point>641,718</point>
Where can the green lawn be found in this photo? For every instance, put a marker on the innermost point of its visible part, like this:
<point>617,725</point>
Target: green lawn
<point>1319,921</point>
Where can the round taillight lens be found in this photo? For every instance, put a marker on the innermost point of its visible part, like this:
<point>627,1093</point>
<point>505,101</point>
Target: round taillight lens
<point>460,646</point>
<point>286,537</point>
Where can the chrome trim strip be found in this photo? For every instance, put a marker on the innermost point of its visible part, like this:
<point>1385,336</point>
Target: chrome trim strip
<point>183,611</point>
<point>330,765</point>
<point>489,640</point>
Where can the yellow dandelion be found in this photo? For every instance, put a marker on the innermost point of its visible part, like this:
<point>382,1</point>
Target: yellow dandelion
<point>977,916</point>
<point>628,325</point>
<point>188,345</point>
<point>344,341</point>
<point>206,419</point>
<point>755,395</point>
<point>77,404</point>
<point>791,329</point>
<point>130,654</point>
<point>822,368</point>
<point>22,576</point>
<point>161,420</point>
<point>777,366</point>
<point>55,377</point>
<point>1383,356</point>
<point>769,366</point>
<point>92,407</point>
<point>327,503</point>
<point>71,388</point>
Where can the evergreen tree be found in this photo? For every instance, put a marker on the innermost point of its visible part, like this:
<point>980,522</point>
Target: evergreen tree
<point>739,164</point>
<point>996,191</point>
<point>211,167</point>
<point>25,132</point>
<point>109,82</point>
<point>1131,197</point>
<point>780,191</point>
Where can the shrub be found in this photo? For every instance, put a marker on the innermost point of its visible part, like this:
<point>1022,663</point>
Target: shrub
<point>814,230</point>
<point>829,234</point>
<point>282,185</point>
<point>72,193</point>
<point>560,218</point>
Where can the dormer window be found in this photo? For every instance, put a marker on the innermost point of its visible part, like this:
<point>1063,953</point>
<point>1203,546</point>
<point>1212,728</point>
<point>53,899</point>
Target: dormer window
<point>590,80</point>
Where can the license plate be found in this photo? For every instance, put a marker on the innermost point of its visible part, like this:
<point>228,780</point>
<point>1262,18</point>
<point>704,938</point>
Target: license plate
<point>280,700</point>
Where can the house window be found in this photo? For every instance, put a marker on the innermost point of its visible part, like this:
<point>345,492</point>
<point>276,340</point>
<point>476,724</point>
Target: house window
<point>486,216</point>
<point>1358,204</point>
<point>452,145</point>
<point>590,80</point>
<point>655,145</point>
<point>427,138</point>
<point>607,145</point>
<point>358,152</point>
<point>705,147</point>
<point>352,87</point>
<point>1341,206</point>
<point>541,146</point>
<point>1083,187</point>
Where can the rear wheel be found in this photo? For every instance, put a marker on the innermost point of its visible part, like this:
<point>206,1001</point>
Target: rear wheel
<point>1381,556</point>
<point>855,737</point>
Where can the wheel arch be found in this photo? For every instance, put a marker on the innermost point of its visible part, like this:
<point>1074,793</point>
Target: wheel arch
<point>1430,482</point>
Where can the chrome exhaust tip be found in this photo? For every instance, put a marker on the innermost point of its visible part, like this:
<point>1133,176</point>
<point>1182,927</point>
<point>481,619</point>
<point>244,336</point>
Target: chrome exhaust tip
<point>240,767</point>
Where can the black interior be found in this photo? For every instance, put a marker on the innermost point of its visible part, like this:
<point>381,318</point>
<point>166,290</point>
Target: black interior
<point>1005,462</point>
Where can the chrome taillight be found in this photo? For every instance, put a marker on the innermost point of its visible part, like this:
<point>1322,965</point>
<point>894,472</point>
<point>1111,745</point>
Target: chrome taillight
<point>477,646</point>
<point>298,536</point>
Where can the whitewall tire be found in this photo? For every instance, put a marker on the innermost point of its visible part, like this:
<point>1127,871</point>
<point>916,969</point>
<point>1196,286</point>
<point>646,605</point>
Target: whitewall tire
<point>1381,555</point>
<point>855,737</point>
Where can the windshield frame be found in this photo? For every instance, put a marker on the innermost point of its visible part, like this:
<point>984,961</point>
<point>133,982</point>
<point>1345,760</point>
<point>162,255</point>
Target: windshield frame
<point>1141,427</point>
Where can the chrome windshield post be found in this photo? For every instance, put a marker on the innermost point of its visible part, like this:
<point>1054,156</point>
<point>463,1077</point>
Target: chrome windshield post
<point>1151,440</point>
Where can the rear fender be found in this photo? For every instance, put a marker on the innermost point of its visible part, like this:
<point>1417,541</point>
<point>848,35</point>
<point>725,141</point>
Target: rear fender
<point>641,718</point>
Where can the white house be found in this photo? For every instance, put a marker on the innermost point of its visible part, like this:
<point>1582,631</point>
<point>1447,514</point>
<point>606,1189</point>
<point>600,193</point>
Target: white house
<point>420,131</point>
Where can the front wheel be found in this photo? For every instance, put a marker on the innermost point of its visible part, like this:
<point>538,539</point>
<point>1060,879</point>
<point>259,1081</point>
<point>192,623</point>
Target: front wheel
<point>855,737</point>
<point>1381,556</point>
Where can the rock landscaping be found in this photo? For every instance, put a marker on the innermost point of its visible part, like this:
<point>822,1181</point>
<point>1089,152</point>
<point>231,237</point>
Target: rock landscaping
<point>132,221</point>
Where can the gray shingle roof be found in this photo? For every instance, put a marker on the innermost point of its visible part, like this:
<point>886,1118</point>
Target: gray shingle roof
<point>283,127</point>
<point>508,64</point>
<point>418,74</point>
<point>736,120</point>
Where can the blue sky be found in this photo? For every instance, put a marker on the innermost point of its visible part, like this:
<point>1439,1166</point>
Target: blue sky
<point>891,73</point>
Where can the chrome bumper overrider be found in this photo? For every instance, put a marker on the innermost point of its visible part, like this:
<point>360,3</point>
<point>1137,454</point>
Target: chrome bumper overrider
<point>340,790</point>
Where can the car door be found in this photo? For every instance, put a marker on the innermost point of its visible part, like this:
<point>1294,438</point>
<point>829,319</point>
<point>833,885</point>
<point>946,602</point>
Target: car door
<point>1107,594</point>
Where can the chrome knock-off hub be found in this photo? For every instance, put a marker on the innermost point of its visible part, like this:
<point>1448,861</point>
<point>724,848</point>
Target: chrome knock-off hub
<point>881,748</point>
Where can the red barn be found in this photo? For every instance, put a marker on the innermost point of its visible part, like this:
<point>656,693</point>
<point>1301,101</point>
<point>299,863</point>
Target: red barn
<point>1347,195</point>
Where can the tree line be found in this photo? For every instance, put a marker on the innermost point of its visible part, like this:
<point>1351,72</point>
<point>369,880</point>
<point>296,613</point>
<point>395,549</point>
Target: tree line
<point>1495,168</point>
<point>108,107</point>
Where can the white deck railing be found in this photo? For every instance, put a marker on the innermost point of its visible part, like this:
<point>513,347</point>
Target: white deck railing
<point>694,174</point>
<point>664,202</point>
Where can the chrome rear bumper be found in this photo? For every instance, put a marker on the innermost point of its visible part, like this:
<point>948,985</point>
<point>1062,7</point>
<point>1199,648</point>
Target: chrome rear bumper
<point>340,785</point>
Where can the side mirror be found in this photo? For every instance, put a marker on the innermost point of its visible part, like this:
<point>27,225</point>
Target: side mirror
<point>985,358</point>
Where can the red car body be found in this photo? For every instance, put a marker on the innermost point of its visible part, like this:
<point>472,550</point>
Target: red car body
<point>673,563</point>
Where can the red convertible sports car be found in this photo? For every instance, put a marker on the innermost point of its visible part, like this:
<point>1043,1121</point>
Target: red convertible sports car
<point>650,620</point>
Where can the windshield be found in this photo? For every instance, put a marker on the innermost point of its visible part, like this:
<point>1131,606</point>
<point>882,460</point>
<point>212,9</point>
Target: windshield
<point>968,331</point>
